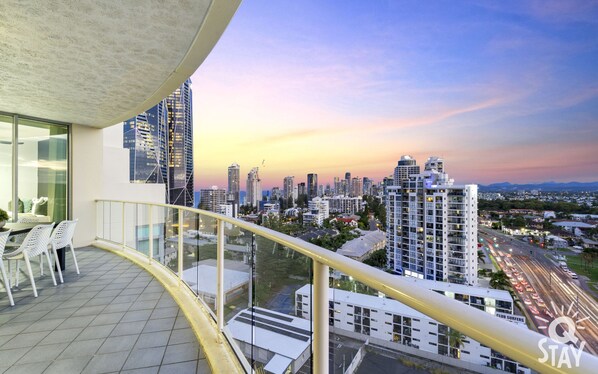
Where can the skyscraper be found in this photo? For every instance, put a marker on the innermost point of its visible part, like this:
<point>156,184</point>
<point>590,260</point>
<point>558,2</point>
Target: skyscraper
<point>312,186</point>
<point>347,183</point>
<point>211,199</point>
<point>254,187</point>
<point>160,142</point>
<point>405,167</point>
<point>234,184</point>
<point>356,187</point>
<point>180,141</point>
<point>146,137</point>
<point>287,187</point>
<point>432,225</point>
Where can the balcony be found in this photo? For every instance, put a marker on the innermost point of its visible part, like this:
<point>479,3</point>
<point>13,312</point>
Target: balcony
<point>228,275</point>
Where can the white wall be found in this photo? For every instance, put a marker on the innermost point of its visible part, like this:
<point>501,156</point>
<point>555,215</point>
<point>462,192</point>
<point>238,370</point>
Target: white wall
<point>100,170</point>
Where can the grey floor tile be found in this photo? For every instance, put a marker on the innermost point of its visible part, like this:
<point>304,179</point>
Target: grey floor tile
<point>13,328</point>
<point>68,365</point>
<point>117,307</point>
<point>107,318</point>
<point>96,332</point>
<point>178,368</point>
<point>33,368</point>
<point>89,310</point>
<point>25,340</point>
<point>182,336</point>
<point>44,325</point>
<point>153,339</point>
<point>29,317</point>
<point>144,304</point>
<point>10,356</point>
<point>128,328</point>
<point>203,367</point>
<point>145,357</point>
<point>82,348</point>
<point>97,301</point>
<point>181,352</point>
<point>61,336</point>
<point>163,324</point>
<point>76,321</point>
<point>42,353</point>
<point>107,363</point>
<point>118,344</point>
<point>150,370</point>
<point>165,312</point>
<point>181,322</point>
<point>137,315</point>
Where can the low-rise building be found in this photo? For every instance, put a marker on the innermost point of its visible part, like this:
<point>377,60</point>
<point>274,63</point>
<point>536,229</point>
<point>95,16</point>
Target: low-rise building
<point>361,248</point>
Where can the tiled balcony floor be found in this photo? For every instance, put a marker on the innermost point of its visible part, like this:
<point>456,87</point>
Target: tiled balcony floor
<point>114,317</point>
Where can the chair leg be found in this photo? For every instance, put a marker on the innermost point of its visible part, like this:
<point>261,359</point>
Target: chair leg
<point>57,264</point>
<point>28,265</point>
<point>50,266</point>
<point>6,281</point>
<point>41,265</point>
<point>17,273</point>
<point>74,257</point>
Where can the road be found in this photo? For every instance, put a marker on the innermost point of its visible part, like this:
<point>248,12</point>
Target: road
<point>551,287</point>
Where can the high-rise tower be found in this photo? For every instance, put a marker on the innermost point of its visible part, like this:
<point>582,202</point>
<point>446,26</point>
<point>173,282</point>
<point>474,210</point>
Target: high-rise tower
<point>254,188</point>
<point>432,225</point>
<point>234,184</point>
<point>405,167</point>
<point>160,142</point>
<point>312,186</point>
<point>287,187</point>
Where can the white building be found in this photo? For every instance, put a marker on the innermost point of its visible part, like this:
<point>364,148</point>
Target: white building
<point>282,343</point>
<point>432,226</point>
<point>254,188</point>
<point>360,248</point>
<point>212,198</point>
<point>344,204</point>
<point>226,209</point>
<point>371,317</point>
<point>318,211</point>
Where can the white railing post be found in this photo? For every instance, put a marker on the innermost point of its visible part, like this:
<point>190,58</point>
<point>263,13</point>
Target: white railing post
<point>220,268</point>
<point>320,318</point>
<point>180,247</point>
<point>123,226</point>
<point>151,233</point>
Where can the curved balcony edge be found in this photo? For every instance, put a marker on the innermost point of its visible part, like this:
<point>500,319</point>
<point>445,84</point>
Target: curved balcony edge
<point>219,354</point>
<point>522,345</point>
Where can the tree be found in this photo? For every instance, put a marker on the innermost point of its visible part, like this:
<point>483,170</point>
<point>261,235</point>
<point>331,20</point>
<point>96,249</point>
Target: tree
<point>456,342</point>
<point>481,256</point>
<point>499,280</point>
<point>377,259</point>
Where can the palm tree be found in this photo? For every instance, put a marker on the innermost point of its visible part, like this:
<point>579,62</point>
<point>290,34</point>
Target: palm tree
<point>481,256</point>
<point>499,280</point>
<point>456,342</point>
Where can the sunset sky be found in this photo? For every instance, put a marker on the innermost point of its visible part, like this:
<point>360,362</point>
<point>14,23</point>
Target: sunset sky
<point>503,91</point>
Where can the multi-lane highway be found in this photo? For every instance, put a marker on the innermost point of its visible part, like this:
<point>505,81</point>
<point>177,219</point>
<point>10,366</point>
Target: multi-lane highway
<point>543,287</point>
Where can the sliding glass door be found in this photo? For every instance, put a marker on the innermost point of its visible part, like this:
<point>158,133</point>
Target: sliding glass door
<point>6,140</point>
<point>41,162</point>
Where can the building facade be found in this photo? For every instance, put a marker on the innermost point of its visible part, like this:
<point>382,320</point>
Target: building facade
<point>312,185</point>
<point>287,187</point>
<point>211,199</point>
<point>160,144</point>
<point>432,226</point>
<point>254,188</point>
<point>234,185</point>
<point>343,204</point>
<point>318,211</point>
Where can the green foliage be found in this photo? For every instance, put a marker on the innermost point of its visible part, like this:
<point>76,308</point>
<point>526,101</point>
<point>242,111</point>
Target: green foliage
<point>279,224</point>
<point>515,222</point>
<point>560,206</point>
<point>374,205</point>
<point>334,242</point>
<point>377,259</point>
<point>302,201</point>
<point>3,215</point>
<point>499,280</point>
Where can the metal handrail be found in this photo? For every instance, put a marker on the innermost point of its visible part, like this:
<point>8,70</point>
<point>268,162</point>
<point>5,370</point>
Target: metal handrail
<point>507,338</point>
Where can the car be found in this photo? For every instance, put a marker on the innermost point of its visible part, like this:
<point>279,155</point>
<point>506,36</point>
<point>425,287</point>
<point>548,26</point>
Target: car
<point>535,296</point>
<point>529,288</point>
<point>519,288</point>
<point>573,275</point>
<point>533,310</point>
<point>524,282</point>
<point>509,275</point>
<point>509,255</point>
<point>520,278</point>
<point>540,302</point>
<point>527,300</point>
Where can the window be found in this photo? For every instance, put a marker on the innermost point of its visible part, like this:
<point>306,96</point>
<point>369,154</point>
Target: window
<point>41,190</point>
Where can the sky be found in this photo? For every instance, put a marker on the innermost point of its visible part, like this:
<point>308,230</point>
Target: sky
<point>503,91</point>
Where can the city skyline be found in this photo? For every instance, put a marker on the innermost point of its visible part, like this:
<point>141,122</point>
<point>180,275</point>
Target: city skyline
<point>505,92</point>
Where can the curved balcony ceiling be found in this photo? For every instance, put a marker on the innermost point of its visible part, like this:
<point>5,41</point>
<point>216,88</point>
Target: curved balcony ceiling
<point>97,63</point>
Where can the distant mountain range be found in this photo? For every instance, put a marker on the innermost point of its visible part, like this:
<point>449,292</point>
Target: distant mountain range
<point>546,186</point>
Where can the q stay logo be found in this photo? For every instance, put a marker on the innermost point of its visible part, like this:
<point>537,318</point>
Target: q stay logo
<point>562,356</point>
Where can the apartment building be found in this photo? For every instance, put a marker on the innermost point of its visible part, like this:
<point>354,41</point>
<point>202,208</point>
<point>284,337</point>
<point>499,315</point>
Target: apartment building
<point>318,211</point>
<point>432,225</point>
<point>343,204</point>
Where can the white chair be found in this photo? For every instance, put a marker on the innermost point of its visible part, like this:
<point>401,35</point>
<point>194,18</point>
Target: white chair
<point>3,239</point>
<point>62,237</point>
<point>36,243</point>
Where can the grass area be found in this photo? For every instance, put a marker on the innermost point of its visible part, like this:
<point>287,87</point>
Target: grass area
<point>574,263</point>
